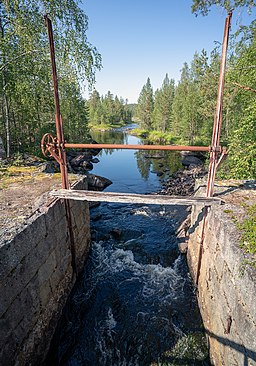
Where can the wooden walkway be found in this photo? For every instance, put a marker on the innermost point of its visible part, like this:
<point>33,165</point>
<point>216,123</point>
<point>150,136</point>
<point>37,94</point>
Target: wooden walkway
<point>95,196</point>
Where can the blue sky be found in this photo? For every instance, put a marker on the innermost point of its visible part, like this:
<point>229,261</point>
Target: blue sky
<point>149,38</point>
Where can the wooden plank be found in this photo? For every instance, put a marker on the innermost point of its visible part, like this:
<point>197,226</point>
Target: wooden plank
<point>149,199</point>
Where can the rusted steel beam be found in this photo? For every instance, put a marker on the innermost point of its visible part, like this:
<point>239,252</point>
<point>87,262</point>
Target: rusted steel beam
<point>139,147</point>
<point>218,114</point>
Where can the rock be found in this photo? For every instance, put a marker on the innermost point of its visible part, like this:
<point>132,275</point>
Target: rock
<point>96,217</point>
<point>94,204</point>
<point>79,159</point>
<point>95,160</point>
<point>183,247</point>
<point>95,151</point>
<point>184,227</point>
<point>131,244</point>
<point>51,167</point>
<point>87,165</point>
<point>191,160</point>
<point>97,183</point>
<point>116,233</point>
<point>182,182</point>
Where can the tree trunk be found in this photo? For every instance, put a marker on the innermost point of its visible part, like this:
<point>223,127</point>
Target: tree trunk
<point>5,100</point>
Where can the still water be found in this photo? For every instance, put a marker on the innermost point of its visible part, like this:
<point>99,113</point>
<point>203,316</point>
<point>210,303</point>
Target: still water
<point>133,171</point>
<point>134,304</point>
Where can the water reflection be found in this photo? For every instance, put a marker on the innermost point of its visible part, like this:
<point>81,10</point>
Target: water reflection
<point>159,163</point>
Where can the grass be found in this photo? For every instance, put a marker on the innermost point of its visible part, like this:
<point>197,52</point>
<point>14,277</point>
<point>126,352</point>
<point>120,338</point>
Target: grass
<point>247,227</point>
<point>155,137</point>
<point>15,174</point>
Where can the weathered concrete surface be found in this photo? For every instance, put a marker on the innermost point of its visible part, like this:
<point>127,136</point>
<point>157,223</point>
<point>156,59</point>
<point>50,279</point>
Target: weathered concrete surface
<point>36,279</point>
<point>226,288</point>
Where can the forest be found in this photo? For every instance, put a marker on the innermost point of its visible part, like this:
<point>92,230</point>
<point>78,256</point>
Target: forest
<point>178,112</point>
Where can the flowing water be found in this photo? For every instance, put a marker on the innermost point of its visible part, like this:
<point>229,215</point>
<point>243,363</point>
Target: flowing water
<point>134,304</point>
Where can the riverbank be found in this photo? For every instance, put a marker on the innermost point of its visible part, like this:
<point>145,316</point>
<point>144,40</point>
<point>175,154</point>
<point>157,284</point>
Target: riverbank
<point>155,137</point>
<point>103,127</point>
<point>182,182</point>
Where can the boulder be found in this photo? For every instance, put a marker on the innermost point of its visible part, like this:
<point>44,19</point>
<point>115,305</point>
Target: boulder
<point>191,160</point>
<point>79,159</point>
<point>97,183</point>
<point>95,160</point>
<point>95,151</point>
<point>87,165</point>
<point>50,167</point>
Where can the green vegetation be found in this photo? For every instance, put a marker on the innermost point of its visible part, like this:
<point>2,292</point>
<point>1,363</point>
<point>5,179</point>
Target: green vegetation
<point>247,226</point>
<point>145,106</point>
<point>191,349</point>
<point>107,112</point>
<point>186,111</point>
<point>181,113</point>
<point>155,137</point>
<point>26,94</point>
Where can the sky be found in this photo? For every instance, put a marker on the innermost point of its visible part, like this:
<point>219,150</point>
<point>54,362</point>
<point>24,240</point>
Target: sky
<point>138,39</point>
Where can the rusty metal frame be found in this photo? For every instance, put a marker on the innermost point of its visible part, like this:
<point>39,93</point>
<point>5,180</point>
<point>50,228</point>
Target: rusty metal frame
<point>56,146</point>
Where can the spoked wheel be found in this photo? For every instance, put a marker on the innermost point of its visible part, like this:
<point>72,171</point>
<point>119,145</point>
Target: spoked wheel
<point>47,144</point>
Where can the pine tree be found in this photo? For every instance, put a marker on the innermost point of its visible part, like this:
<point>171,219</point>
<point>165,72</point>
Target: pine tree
<point>162,114</point>
<point>145,106</point>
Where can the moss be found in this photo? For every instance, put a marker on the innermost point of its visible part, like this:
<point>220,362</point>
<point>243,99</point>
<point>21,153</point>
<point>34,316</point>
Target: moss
<point>248,228</point>
<point>191,349</point>
<point>228,211</point>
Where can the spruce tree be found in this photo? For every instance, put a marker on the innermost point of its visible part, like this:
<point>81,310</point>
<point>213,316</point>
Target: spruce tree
<point>145,106</point>
<point>162,114</point>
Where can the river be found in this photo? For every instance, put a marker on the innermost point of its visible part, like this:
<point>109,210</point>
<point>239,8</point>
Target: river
<point>134,304</point>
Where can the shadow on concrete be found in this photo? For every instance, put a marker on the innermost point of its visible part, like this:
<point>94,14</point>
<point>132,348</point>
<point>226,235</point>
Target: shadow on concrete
<point>247,353</point>
<point>200,217</point>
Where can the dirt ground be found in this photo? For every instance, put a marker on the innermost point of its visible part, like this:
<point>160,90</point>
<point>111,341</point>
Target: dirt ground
<point>22,191</point>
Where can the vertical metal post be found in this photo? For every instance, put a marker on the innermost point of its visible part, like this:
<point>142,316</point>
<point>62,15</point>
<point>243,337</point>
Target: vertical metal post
<point>215,147</point>
<point>59,125</point>
<point>218,114</point>
<point>60,143</point>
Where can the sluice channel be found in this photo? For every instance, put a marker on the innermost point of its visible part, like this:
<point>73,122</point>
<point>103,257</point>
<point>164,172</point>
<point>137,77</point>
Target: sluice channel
<point>134,303</point>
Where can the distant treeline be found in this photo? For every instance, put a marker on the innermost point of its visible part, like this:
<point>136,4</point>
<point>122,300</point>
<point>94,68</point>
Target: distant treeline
<point>186,110</point>
<point>108,110</point>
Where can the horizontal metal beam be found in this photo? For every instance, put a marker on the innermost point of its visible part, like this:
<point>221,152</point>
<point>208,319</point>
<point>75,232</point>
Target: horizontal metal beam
<point>138,147</point>
<point>150,199</point>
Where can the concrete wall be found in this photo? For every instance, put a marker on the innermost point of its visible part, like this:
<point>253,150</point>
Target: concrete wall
<point>36,279</point>
<point>226,288</point>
